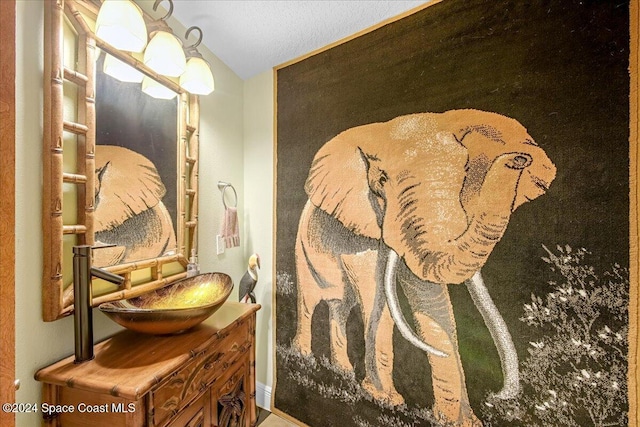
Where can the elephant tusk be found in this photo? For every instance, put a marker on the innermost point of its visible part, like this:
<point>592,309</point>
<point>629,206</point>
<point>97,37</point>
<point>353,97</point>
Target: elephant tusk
<point>499,333</point>
<point>396,312</point>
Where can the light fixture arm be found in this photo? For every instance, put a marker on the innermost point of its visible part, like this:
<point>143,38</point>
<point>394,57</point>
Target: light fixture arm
<point>155,7</point>
<point>191,50</point>
<point>186,37</point>
<point>161,23</point>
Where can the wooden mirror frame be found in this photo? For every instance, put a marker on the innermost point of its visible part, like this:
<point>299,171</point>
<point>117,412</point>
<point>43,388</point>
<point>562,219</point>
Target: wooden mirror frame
<point>152,273</point>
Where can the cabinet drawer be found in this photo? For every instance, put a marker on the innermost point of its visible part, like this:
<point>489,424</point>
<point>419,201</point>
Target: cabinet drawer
<point>94,409</point>
<point>197,414</point>
<point>192,380</point>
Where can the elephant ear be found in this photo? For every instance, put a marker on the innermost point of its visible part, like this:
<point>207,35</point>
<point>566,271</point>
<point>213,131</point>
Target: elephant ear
<point>128,184</point>
<point>338,183</point>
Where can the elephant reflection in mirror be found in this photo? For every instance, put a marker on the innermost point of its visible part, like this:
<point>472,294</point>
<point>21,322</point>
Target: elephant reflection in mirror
<point>129,212</point>
<point>419,202</point>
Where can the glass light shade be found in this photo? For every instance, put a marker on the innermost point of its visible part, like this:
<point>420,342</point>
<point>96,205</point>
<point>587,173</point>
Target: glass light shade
<point>164,54</point>
<point>157,90</point>
<point>197,78</point>
<point>120,24</point>
<point>121,71</point>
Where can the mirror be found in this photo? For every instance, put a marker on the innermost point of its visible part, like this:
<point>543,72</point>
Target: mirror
<point>135,172</point>
<point>120,168</point>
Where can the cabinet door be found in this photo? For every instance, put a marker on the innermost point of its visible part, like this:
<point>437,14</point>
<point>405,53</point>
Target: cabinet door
<point>229,398</point>
<point>198,414</point>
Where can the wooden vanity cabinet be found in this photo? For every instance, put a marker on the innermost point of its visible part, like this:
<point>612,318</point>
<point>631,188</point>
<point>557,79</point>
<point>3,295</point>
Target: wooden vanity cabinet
<point>204,377</point>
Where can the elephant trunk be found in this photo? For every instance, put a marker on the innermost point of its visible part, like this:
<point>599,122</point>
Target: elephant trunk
<point>391,294</point>
<point>456,260</point>
<point>500,334</point>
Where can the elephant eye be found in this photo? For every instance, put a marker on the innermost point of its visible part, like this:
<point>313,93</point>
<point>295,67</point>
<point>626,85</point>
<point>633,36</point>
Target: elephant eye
<point>520,161</point>
<point>379,178</point>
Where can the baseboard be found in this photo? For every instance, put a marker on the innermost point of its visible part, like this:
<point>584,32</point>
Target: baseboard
<point>263,396</point>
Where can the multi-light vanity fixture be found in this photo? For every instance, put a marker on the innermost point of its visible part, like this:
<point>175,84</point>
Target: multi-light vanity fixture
<point>120,23</point>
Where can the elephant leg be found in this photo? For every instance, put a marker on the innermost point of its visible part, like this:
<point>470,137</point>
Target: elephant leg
<point>311,291</point>
<point>308,299</point>
<point>309,294</point>
<point>379,378</point>
<point>320,278</point>
<point>364,270</point>
<point>433,315</point>
<point>307,303</point>
<point>451,403</point>
<point>338,314</point>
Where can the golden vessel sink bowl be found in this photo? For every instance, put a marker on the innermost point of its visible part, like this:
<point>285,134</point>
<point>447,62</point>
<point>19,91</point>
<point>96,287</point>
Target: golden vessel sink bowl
<point>174,308</point>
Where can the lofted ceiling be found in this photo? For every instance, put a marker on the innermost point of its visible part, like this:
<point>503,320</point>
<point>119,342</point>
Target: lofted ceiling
<point>253,36</point>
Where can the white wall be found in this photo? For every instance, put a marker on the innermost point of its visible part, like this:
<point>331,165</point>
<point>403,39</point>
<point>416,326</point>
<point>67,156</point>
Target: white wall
<point>39,343</point>
<point>258,216</point>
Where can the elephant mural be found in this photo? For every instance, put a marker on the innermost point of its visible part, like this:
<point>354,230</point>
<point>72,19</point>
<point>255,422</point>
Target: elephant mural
<point>129,212</point>
<point>418,202</point>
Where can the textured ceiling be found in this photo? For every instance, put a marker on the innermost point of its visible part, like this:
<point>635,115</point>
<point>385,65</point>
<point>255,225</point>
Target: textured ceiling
<point>254,36</point>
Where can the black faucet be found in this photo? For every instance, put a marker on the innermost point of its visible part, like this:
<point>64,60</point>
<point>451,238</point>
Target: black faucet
<point>83,313</point>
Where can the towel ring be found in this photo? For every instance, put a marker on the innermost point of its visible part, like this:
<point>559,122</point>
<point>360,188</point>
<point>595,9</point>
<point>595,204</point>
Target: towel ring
<point>223,187</point>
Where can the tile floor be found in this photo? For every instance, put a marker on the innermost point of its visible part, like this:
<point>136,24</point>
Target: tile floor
<point>267,419</point>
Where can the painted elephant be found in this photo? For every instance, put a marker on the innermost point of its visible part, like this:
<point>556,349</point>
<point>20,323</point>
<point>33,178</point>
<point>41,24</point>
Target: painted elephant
<point>129,212</point>
<point>419,201</point>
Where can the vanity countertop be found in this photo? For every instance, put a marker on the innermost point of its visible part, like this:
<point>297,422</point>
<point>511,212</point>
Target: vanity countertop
<point>129,364</point>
